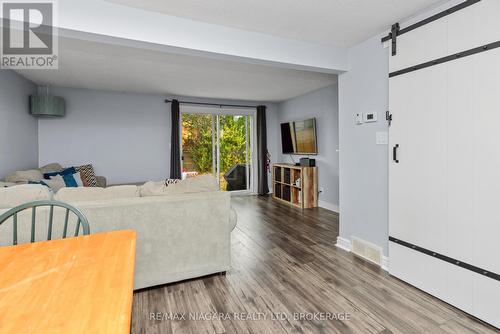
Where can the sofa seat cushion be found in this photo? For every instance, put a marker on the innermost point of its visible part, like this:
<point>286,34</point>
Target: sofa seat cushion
<point>82,194</point>
<point>203,183</point>
<point>24,176</point>
<point>20,194</point>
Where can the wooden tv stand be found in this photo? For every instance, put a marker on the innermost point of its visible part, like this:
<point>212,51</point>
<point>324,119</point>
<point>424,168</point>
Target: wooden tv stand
<point>287,190</point>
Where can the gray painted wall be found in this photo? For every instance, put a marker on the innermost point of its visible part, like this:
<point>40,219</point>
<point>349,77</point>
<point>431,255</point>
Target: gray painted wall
<point>18,130</point>
<point>323,105</point>
<point>363,164</point>
<point>125,136</point>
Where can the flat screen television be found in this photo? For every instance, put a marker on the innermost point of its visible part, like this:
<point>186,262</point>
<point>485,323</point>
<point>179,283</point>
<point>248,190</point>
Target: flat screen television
<point>299,137</point>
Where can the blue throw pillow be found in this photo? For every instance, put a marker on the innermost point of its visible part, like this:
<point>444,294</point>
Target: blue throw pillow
<point>70,170</point>
<point>67,175</point>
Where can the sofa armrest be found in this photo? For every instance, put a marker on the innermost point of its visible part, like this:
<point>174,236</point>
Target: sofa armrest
<point>101,181</point>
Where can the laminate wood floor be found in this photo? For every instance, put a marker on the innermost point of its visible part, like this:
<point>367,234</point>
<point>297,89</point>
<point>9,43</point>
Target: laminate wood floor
<point>287,276</point>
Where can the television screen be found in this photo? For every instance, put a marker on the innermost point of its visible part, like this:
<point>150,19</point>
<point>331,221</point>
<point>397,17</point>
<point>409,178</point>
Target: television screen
<point>299,137</point>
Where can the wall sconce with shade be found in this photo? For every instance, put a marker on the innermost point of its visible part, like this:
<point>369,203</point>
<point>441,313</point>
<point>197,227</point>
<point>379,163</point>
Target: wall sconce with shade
<point>44,105</point>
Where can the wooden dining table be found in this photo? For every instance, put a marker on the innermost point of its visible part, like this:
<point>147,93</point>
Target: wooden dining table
<point>74,285</point>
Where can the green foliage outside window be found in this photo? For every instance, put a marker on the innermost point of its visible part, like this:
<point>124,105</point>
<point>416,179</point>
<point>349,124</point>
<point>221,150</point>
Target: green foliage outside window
<point>197,141</point>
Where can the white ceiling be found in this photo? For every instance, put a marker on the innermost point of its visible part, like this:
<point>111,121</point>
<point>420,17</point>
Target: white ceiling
<point>334,22</point>
<point>93,65</point>
<point>107,65</point>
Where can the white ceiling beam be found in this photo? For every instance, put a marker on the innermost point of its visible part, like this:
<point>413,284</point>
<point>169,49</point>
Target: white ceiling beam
<point>174,34</point>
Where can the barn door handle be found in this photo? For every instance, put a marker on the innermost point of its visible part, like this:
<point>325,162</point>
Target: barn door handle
<point>395,153</point>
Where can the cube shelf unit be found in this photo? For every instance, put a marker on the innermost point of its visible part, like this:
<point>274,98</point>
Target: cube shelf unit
<point>286,189</point>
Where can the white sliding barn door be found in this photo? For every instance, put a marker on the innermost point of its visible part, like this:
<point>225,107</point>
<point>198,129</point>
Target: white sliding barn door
<point>444,191</point>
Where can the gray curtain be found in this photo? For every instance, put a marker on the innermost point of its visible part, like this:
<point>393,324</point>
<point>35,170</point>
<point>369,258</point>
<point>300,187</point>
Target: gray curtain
<point>175,150</point>
<point>263,188</point>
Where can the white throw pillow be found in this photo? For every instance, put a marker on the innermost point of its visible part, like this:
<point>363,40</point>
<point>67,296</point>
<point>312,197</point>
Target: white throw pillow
<point>152,188</point>
<point>78,179</point>
<point>55,183</point>
<point>203,183</point>
<point>24,176</point>
<point>51,168</point>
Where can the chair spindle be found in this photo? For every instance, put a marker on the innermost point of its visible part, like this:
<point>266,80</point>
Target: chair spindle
<point>14,218</point>
<point>51,216</point>
<point>33,220</point>
<point>66,223</point>
<point>77,229</point>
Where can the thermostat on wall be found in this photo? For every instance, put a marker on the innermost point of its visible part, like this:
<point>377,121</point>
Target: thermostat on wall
<point>359,118</point>
<point>370,117</point>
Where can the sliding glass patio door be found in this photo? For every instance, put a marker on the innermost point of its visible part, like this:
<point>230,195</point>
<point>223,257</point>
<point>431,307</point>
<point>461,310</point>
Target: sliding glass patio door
<point>219,141</point>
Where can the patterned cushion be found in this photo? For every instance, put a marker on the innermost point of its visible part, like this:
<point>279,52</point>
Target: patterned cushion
<point>171,181</point>
<point>88,175</point>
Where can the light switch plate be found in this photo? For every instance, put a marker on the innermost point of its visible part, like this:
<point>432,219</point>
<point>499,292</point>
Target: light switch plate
<point>382,138</point>
<point>370,117</point>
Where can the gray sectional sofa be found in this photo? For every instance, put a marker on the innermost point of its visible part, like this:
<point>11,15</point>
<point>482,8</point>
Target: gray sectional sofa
<point>179,235</point>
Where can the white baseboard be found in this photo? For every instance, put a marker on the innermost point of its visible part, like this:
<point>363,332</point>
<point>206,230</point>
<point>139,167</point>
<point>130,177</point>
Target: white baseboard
<point>385,263</point>
<point>346,244</point>
<point>329,206</point>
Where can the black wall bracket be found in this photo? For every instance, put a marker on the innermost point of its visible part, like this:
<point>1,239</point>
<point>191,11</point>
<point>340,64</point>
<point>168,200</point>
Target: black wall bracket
<point>460,55</point>
<point>397,31</point>
<point>388,117</point>
<point>445,258</point>
<point>394,36</point>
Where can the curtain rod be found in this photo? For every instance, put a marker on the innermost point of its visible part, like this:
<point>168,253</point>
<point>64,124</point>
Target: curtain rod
<point>213,104</point>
